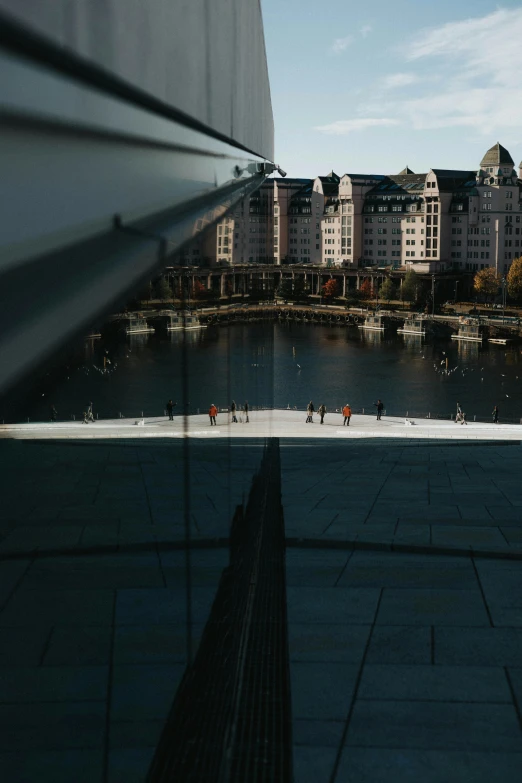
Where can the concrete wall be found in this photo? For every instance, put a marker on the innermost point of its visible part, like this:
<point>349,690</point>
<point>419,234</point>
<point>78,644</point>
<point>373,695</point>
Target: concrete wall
<point>203,57</point>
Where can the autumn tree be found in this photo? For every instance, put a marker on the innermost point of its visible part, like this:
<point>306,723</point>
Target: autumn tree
<point>330,289</point>
<point>387,291</point>
<point>199,291</point>
<point>366,289</point>
<point>486,282</point>
<point>514,279</point>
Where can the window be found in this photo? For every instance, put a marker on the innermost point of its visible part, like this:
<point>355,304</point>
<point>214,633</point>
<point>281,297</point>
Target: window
<point>397,208</point>
<point>509,194</point>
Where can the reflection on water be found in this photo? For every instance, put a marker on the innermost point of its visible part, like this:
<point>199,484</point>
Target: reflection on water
<point>371,337</point>
<point>468,351</point>
<point>288,364</point>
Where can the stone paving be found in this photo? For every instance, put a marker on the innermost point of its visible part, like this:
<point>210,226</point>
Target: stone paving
<point>92,630</point>
<point>404,577</point>
<point>406,662</point>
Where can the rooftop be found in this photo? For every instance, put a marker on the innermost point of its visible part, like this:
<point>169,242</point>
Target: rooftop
<point>497,155</point>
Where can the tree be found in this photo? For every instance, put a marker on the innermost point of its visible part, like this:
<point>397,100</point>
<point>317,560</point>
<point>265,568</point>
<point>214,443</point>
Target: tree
<point>387,290</point>
<point>199,291</point>
<point>162,289</point>
<point>409,286</point>
<point>284,289</point>
<point>330,289</point>
<point>300,289</point>
<point>514,279</point>
<point>366,289</point>
<point>486,282</point>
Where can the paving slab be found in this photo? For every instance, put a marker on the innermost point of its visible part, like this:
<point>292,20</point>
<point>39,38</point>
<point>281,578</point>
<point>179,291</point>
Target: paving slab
<point>322,691</point>
<point>376,765</point>
<point>396,644</point>
<point>322,643</point>
<point>331,605</point>
<point>432,607</point>
<point>313,765</point>
<point>144,692</point>
<point>26,685</point>
<point>51,766</point>
<point>433,725</point>
<point>435,683</point>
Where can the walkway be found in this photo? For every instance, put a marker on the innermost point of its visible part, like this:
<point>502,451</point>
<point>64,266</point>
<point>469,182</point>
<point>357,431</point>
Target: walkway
<point>280,423</point>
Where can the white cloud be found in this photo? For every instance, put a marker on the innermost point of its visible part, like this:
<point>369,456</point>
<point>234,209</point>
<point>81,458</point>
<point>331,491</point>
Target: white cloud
<point>488,47</point>
<point>341,44</point>
<point>366,30</point>
<point>343,127</point>
<point>477,62</point>
<point>400,80</point>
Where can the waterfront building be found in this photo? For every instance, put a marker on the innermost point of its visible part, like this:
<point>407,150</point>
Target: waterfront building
<point>444,218</point>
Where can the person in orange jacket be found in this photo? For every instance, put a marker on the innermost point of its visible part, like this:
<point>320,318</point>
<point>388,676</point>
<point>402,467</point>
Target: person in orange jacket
<point>212,413</point>
<point>347,412</point>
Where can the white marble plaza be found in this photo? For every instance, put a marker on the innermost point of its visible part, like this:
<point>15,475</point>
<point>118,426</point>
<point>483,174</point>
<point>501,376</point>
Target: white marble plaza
<point>280,423</point>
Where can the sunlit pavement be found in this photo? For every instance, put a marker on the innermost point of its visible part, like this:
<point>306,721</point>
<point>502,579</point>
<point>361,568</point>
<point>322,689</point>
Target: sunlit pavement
<point>269,423</point>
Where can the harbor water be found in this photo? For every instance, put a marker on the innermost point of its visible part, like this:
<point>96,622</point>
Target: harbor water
<point>281,365</point>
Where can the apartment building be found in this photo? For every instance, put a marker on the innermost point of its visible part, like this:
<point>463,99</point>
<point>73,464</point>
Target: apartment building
<point>430,221</point>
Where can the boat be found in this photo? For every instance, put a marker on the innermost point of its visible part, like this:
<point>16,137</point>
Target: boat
<point>469,329</point>
<point>137,324</point>
<point>499,340</point>
<point>415,324</point>
<point>373,322</point>
<point>184,321</point>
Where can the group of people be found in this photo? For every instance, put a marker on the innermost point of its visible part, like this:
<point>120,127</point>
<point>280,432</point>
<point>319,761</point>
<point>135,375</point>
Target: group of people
<point>88,415</point>
<point>346,411</point>
<point>460,416</point>
<point>213,411</point>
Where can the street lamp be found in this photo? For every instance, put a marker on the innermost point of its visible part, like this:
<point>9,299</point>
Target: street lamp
<point>503,281</point>
<point>456,290</point>
<point>433,296</point>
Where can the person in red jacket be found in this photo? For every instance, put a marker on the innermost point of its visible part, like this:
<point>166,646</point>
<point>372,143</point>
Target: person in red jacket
<point>347,413</point>
<point>212,413</point>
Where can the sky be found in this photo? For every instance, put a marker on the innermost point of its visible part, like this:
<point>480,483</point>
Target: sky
<point>370,87</point>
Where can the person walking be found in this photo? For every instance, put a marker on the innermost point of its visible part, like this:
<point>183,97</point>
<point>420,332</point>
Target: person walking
<point>460,416</point>
<point>233,412</point>
<point>310,410</point>
<point>322,411</point>
<point>246,412</point>
<point>54,413</point>
<point>347,413</point>
<point>495,414</point>
<point>170,409</point>
<point>212,412</point>
<point>89,415</point>
<point>380,406</point>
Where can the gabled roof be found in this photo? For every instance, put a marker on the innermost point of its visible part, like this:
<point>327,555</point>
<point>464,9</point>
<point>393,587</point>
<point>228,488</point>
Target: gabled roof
<point>497,155</point>
<point>406,170</point>
<point>332,177</point>
<point>448,179</point>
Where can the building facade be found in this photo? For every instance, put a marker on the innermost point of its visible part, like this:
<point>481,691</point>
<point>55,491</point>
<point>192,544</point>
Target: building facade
<point>465,220</point>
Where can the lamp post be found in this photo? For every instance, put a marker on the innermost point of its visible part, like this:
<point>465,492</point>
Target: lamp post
<point>503,281</point>
<point>433,296</point>
<point>456,290</point>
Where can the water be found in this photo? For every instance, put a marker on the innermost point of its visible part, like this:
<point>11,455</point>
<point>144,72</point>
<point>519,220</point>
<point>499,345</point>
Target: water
<point>288,364</point>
